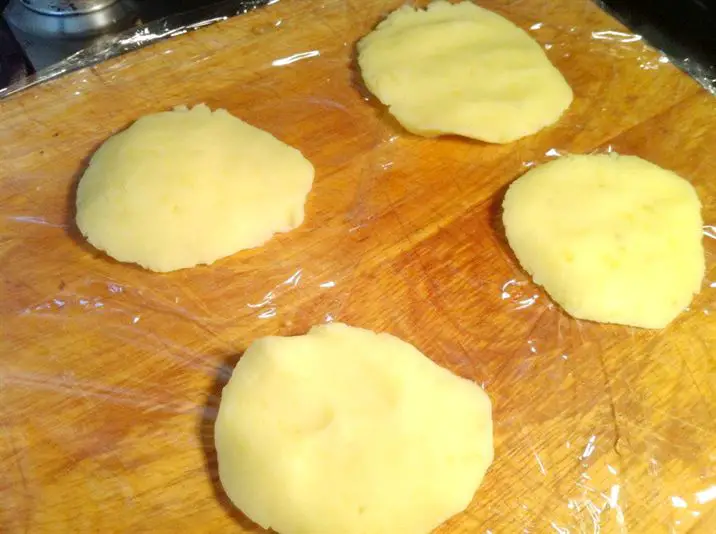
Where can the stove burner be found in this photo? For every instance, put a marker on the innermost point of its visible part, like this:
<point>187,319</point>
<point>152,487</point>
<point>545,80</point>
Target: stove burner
<point>67,7</point>
<point>69,19</point>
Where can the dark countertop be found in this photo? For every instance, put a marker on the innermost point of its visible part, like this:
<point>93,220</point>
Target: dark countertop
<point>684,29</point>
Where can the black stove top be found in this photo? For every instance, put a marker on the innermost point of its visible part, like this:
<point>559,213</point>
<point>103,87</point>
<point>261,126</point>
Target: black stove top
<point>49,45</point>
<point>684,29</point>
<point>47,39</point>
<point>14,65</point>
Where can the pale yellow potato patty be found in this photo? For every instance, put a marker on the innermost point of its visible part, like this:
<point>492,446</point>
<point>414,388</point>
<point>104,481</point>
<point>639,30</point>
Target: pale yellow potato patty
<point>461,69</point>
<point>612,238</point>
<point>347,431</point>
<point>187,187</point>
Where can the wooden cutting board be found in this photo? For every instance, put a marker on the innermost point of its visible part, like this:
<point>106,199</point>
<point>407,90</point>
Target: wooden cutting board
<point>110,376</point>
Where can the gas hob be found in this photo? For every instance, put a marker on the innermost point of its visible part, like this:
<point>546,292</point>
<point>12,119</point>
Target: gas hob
<point>36,36</point>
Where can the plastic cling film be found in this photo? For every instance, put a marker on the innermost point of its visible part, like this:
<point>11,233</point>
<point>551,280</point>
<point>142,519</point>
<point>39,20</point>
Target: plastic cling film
<point>110,376</point>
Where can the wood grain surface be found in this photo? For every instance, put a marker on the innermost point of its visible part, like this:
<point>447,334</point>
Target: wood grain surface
<point>110,376</point>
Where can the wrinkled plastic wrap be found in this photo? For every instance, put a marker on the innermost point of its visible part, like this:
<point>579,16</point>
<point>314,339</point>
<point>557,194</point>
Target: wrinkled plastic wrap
<point>110,376</point>
<point>171,26</point>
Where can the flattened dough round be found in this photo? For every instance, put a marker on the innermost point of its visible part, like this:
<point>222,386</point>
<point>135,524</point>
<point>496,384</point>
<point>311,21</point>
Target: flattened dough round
<point>187,187</point>
<point>461,69</point>
<point>612,238</point>
<point>347,431</point>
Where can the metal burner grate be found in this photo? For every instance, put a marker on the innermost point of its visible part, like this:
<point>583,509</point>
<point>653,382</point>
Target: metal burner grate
<point>67,7</point>
<point>73,19</point>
